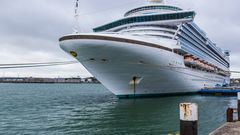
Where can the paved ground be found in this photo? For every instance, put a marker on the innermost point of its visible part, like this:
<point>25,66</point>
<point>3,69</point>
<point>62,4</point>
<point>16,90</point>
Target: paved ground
<point>232,128</point>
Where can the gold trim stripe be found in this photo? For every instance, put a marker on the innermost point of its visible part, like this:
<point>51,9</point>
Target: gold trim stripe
<point>94,37</point>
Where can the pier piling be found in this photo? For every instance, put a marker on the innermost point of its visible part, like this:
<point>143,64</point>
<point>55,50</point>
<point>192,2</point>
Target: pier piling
<point>238,106</point>
<point>230,114</point>
<point>188,119</point>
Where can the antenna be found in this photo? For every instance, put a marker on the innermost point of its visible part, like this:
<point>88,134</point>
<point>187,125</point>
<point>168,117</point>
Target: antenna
<point>76,16</point>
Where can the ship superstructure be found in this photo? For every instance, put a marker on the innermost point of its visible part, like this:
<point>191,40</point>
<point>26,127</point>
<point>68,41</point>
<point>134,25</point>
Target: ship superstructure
<point>154,49</point>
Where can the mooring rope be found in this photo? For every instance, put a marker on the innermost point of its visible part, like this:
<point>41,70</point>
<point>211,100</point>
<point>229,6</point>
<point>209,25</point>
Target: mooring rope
<point>30,65</point>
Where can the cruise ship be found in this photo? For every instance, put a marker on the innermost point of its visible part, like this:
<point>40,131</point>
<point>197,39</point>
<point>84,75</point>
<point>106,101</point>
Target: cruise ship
<point>155,49</point>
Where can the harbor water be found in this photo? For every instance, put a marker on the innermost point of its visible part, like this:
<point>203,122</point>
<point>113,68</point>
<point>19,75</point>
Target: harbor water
<point>90,109</point>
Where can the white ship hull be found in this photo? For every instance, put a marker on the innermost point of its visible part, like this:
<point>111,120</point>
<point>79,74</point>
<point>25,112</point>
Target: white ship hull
<point>115,63</point>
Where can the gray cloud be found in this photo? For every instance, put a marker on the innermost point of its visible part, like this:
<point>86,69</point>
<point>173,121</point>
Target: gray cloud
<point>29,30</point>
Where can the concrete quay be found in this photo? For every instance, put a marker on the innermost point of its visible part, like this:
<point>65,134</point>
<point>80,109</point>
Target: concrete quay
<point>229,128</point>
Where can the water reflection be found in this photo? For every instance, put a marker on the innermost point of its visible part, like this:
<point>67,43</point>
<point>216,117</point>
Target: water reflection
<point>148,115</point>
<point>93,110</point>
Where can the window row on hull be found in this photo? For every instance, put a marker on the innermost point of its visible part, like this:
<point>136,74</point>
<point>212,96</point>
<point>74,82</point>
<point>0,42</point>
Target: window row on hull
<point>194,27</point>
<point>198,31</point>
<point>156,29</point>
<point>191,43</point>
<point>154,7</point>
<point>149,31</point>
<point>186,28</point>
<point>193,49</point>
<point>201,49</point>
<point>148,27</point>
<point>160,36</point>
<point>200,56</point>
<point>204,48</point>
<point>148,18</point>
<point>217,51</point>
<point>213,46</point>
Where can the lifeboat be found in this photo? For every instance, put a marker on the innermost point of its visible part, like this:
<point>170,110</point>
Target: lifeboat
<point>206,66</point>
<point>202,64</point>
<point>197,62</point>
<point>192,61</point>
<point>221,72</point>
<point>211,67</point>
<point>189,60</point>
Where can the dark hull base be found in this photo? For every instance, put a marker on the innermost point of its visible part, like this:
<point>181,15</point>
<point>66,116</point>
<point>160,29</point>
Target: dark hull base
<point>157,95</point>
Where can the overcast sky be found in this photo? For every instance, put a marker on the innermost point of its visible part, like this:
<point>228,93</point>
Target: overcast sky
<point>30,29</point>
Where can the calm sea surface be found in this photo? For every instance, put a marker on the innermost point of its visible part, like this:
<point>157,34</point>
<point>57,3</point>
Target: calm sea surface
<point>90,109</point>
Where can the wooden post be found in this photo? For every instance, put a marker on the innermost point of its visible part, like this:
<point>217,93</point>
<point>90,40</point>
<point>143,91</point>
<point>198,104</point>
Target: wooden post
<point>230,115</point>
<point>188,119</point>
<point>238,106</point>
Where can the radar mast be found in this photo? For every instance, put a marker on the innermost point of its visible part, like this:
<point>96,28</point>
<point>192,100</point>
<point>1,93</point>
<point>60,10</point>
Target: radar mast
<point>76,16</point>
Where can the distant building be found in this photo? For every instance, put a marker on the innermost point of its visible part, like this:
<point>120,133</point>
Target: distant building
<point>47,80</point>
<point>91,80</point>
<point>235,82</point>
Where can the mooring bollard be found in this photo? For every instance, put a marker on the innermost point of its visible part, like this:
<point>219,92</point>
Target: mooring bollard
<point>188,119</point>
<point>238,109</point>
<point>230,115</point>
